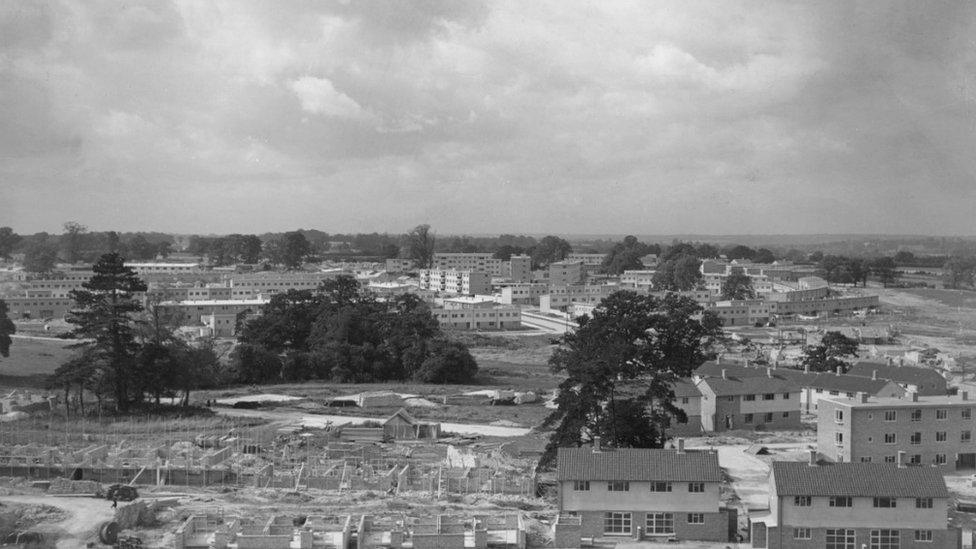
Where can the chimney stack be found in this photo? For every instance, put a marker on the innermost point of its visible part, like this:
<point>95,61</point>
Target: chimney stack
<point>596,444</point>
<point>769,372</point>
<point>718,358</point>
<point>725,374</point>
<point>862,397</point>
<point>913,395</point>
<point>874,374</point>
<point>965,395</point>
<point>889,360</point>
<point>838,371</point>
<point>748,363</point>
<point>813,458</point>
<point>681,445</point>
<point>806,368</point>
<point>901,459</point>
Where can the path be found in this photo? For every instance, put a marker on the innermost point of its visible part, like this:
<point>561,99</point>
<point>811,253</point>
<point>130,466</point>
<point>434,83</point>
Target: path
<point>85,515</point>
<point>321,421</point>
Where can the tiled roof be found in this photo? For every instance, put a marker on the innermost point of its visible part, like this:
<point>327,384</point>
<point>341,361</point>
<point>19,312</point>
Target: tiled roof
<point>845,383</point>
<point>685,388</point>
<point>858,479</point>
<point>637,464</point>
<point>732,385</point>
<point>901,374</point>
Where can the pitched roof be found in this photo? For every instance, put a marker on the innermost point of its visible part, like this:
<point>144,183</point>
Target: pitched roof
<point>845,383</point>
<point>637,464</point>
<point>858,479</point>
<point>732,385</point>
<point>901,374</point>
<point>685,388</point>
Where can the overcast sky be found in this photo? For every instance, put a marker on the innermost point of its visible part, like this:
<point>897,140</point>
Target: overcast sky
<point>505,116</point>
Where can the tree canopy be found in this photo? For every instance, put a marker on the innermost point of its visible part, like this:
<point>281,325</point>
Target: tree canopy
<point>620,367</point>
<point>681,273</point>
<point>830,353</point>
<point>738,285</point>
<point>7,329</point>
<point>625,256</point>
<point>420,246</point>
<point>549,250</point>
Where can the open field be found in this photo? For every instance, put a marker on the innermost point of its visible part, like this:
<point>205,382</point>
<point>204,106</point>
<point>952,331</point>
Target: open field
<point>32,358</point>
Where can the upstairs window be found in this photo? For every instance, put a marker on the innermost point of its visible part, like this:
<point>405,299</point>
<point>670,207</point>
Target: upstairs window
<point>890,415</point>
<point>841,501</point>
<point>802,501</point>
<point>916,415</point>
<point>618,486</point>
<point>581,486</point>
<point>885,503</point>
<point>696,487</point>
<point>659,486</point>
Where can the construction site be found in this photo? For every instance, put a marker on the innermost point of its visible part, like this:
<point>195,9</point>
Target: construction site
<point>223,483</point>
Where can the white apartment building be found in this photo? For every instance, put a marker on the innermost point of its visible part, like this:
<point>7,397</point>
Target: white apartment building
<point>452,281</point>
<point>475,262</point>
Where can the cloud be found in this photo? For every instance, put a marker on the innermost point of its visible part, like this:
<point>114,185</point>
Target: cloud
<point>319,96</point>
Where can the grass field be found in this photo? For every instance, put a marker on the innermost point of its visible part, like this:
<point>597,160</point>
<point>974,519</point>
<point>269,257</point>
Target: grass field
<point>31,357</point>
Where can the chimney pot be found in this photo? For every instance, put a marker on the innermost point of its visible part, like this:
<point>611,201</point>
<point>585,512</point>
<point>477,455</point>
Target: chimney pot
<point>862,397</point>
<point>838,371</point>
<point>725,374</point>
<point>769,372</point>
<point>596,444</point>
<point>914,396</point>
<point>681,445</point>
<point>813,458</point>
<point>901,459</point>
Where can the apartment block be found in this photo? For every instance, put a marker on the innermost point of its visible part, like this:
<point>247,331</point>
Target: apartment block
<point>855,505</point>
<point>562,273</point>
<point>163,268</point>
<point>455,282</point>
<point>729,402</point>
<point>398,265</point>
<point>565,296</point>
<point>637,279</point>
<point>641,493</point>
<point>476,262</point>
<point>519,268</point>
<point>192,313</point>
<point>931,430</point>
<point>490,317</point>
<point>525,293</point>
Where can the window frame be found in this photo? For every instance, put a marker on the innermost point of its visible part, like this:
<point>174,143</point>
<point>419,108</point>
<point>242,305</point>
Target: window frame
<point>611,519</point>
<point>878,501</point>
<point>696,487</point>
<point>802,501</point>
<point>840,501</point>
<point>581,486</point>
<point>656,524</point>
<point>699,518</point>
<point>660,486</point>
<point>618,486</point>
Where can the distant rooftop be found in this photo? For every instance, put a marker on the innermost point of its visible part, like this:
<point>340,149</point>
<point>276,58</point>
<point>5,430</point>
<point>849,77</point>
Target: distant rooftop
<point>858,479</point>
<point>637,464</point>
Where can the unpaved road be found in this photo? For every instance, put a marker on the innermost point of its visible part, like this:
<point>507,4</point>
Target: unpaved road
<point>84,517</point>
<point>321,421</point>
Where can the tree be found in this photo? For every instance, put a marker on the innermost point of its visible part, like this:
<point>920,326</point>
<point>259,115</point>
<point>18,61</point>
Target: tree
<point>904,258</point>
<point>625,256</point>
<point>448,362</point>
<point>8,241</point>
<point>738,285</point>
<point>506,251</point>
<point>763,255</point>
<point>7,329</point>
<point>550,250</point>
<point>958,272</point>
<point>680,274</point>
<point>72,240</point>
<point>707,251</point>
<point>829,354</point>
<point>255,364</point>
<point>294,248</point>
<point>420,246</point>
<point>620,367</point>
<point>884,268</point>
<point>40,257</point>
<point>740,252</point>
<point>103,314</point>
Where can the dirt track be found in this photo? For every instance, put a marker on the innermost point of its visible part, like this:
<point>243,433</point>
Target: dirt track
<point>84,517</point>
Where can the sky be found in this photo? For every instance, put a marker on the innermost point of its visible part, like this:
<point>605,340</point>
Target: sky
<point>612,117</point>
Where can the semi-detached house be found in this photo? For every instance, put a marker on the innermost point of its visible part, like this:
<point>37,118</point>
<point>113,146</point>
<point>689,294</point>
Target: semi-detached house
<point>643,493</point>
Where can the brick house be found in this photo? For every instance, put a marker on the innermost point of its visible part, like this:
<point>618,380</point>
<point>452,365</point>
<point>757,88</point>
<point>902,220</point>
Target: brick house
<point>641,493</point>
<point>924,381</point>
<point>769,402</point>
<point>855,505</point>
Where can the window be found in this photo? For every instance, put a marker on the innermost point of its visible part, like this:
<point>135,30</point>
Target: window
<point>839,439</point>
<point>769,396</point>
<point>865,459</point>
<point>885,503</point>
<point>923,535</point>
<point>684,400</point>
<point>840,538</point>
<point>940,459</point>
<point>889,459</point>
<point>750,398</point>
<point>660,523</point>
<point>730,398</point>
<point>696,487</point>
<point>841,501</point>
<point>966,436</point>
<point>940,436</point>
<point>786,396</point>
<point>916,459</point>
<point>923,503</point>
<point>659,486</point>
<point>581,486</point>
<point>696,518</point>
<point>801,533</point>
<point>839,416</point>
<point>617,523</point>
<point>769,417</point>
<point>786,415</point>
<point>890,438</point>
<point>618,486</point>
<point>967,413</point>
<point>916,415</point>
<point>885,539</point>
<point>891,415</point>
<point>915,439</point>
<point>748,418</point>
<point>802,501</point>
<point>942,414</point>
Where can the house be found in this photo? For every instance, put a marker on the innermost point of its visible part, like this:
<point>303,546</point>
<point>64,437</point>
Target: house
<point>769,402</point>
<point>813,385</point>
<point>403,426</point>
<point>688,398</point>
<point>854,505</point>
<point>642,493</point>
<point>930,430</point>
<point>924,381</point>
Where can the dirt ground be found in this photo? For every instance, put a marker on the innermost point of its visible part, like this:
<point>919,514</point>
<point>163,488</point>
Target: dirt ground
<point>75,525</point>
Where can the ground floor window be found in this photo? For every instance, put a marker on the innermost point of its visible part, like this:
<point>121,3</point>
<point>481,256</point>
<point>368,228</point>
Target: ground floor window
<point>885,539</point>
<point>801,533</point>
<point>696,518</point>
<point>923,535</point>
<point>660,523</point>
<point>617,523</point>
<point>840,538</point>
